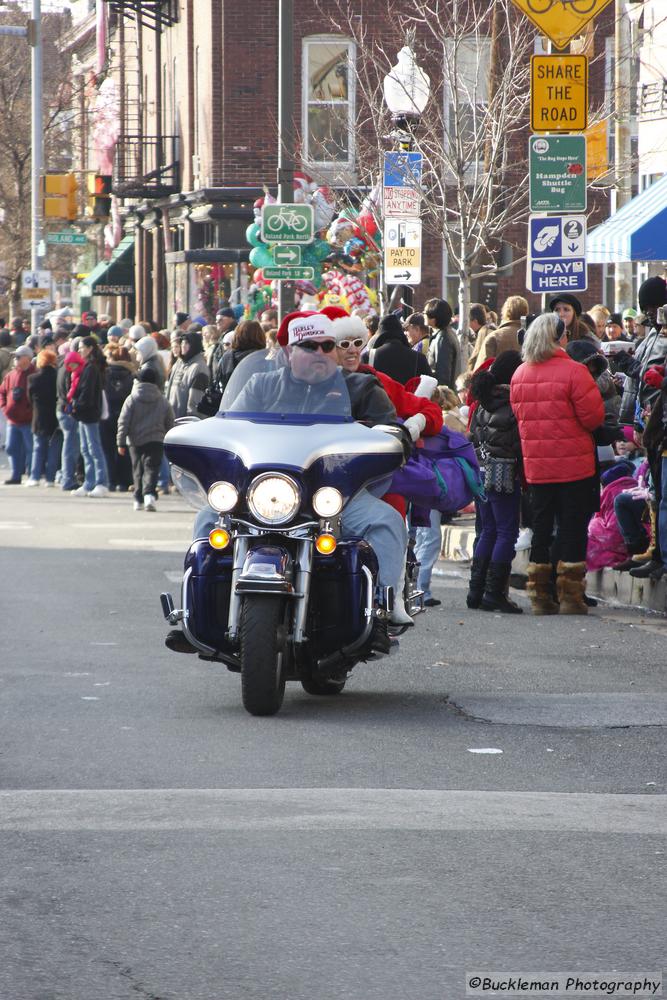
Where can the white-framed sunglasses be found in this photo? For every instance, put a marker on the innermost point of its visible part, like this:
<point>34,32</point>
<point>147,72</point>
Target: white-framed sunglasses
<point>357,342</point>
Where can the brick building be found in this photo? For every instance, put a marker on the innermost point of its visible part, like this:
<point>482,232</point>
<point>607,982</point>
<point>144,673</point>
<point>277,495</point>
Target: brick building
<point>198,105</point>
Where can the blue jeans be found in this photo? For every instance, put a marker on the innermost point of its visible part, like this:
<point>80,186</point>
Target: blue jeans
<point>19,448</point>
<point>499,524</point>
<point>428,542</point>
<point>629,514</point>
<point>364,517</point>
<point>662,514</point>
<point>71,449</point>
<point>94,462</point>
<point>45,456</point>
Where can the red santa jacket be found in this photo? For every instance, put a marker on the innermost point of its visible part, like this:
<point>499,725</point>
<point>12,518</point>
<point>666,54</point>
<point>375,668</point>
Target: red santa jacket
<point>406,403</point>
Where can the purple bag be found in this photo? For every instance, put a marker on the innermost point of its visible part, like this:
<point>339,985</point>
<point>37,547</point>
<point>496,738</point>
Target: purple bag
<point>444,475</point>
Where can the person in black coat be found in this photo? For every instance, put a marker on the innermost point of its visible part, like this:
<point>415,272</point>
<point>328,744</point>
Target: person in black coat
<point>391,353</point>
<point>495,435</point>
<point>47,440</point>
<point>444,352</point>
<point>120,375</point>
<point>88,405</point>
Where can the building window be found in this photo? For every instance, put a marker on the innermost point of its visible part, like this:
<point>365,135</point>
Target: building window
<point>466,95</point>
<point>328,101</point>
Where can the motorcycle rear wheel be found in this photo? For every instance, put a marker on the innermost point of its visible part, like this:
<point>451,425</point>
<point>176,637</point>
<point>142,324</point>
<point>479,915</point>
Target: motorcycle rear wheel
<point>262,658</point>
<point>322,687</point>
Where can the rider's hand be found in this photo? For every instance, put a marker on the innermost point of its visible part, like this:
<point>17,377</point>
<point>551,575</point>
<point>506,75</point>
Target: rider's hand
<point>414,425</point>
<point>121,451</point>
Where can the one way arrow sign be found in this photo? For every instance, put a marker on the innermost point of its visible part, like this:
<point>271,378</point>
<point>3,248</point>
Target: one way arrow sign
<point>287,254</point>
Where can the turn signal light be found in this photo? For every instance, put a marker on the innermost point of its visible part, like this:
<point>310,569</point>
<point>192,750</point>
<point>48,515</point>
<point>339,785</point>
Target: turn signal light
<point>325,544</point>
<point>219,538</point>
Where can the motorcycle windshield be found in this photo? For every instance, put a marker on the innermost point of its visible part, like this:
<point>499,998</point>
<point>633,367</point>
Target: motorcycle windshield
<point>296,385</point>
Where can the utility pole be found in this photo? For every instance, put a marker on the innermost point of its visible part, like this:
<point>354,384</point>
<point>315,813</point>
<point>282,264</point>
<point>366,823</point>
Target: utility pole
<point>285,130</point>
<point>623,295</point>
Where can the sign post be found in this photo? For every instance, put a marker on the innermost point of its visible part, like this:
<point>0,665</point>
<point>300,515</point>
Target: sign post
<point>557,173</point>
<point>557,254</point>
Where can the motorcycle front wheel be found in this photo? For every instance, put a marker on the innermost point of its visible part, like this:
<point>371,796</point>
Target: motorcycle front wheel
<point>262,657</point>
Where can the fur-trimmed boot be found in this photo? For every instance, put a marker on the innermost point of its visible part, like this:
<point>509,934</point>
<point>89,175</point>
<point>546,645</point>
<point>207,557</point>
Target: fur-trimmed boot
<point>539,589</point>
<point>495,597</point>
<point>571,585</point>
<point>477,585</point>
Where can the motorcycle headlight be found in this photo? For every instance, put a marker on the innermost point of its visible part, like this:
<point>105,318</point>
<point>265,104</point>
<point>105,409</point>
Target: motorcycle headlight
<point>327,501</point>
<point>273,499</point>
<point>189,487</point>
<point>223,497</point>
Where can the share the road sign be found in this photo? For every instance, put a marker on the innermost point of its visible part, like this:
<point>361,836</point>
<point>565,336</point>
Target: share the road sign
<point>557,254</point>
<point>402,251</point>
<point>559,93</point>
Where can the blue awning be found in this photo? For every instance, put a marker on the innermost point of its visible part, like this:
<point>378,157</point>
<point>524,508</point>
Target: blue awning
<point>638,231</point>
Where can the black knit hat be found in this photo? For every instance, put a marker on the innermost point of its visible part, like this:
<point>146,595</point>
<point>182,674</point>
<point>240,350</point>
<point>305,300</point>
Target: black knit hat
<point>652,293</point>
<point>570,300</point>
<point>391,328</point>
<point>504,367</point>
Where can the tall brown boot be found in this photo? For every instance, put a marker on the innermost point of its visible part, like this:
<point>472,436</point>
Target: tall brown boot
<point>570,586</point>
<point>539,589</point>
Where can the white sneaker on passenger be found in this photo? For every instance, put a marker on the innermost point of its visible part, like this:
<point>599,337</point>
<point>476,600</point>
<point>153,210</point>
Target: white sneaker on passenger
<point>138,505</point>
<point>99,491</point>
<point>81,492</point>
<point>49,484</point>
<point>149,502</point>
<point>31,482</point>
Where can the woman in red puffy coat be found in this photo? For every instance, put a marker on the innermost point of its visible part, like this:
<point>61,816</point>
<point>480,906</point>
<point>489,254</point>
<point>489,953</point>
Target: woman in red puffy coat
<point>557,405</point>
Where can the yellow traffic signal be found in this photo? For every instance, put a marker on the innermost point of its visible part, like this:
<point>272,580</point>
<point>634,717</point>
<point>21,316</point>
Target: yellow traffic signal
<point>60,201</point>
<point>99,196</point>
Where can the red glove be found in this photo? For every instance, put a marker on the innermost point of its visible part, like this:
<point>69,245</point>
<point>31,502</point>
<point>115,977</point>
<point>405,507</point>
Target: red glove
<point>654,376</point>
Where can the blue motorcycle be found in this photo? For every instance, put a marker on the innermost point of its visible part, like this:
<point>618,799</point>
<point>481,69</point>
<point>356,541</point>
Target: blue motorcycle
<point>271,588</point>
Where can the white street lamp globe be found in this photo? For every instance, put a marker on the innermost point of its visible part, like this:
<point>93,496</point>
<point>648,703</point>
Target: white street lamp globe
<point>406,87</point>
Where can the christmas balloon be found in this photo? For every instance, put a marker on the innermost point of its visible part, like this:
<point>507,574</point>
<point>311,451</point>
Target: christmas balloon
<point>253,234</point>
<point>261,257</point>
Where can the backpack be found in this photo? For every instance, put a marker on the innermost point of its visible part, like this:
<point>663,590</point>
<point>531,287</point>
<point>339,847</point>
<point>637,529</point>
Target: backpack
<point>444,475</point>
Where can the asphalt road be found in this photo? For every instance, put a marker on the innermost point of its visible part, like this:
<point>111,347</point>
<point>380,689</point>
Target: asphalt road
<point>159,843</point>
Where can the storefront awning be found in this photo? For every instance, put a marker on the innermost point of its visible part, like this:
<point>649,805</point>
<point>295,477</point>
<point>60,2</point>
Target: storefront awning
<point>114,276</point>
<point>638,231</point>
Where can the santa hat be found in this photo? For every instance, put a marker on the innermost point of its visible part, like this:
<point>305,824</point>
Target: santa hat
<point>421,385</point>
<point>344,325</point>
<point>306,325</point>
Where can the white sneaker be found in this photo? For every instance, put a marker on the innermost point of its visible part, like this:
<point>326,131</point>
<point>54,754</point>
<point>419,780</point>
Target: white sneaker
<point>31,482</point>
<point>81,492</point>
<point>138,505</point>
<point>100,491</point>
<point>49,485</point>
<point>149,502</point>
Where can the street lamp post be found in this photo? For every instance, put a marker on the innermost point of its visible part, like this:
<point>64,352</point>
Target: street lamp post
<point>406,92</point>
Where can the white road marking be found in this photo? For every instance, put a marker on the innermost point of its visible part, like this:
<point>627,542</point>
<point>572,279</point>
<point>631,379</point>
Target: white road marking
<point>129,523</point>
<point>316,809</point>
<point>484,750</point>
<point>89,698</point>
<point>15,526</point>
<point>148,543</point>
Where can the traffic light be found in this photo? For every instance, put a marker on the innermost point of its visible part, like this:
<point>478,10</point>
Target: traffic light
<point>99,196</point>
<point>60,201</point>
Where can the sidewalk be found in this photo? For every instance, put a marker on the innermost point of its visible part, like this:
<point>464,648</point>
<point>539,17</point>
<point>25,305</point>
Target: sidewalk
<point>608,585</point>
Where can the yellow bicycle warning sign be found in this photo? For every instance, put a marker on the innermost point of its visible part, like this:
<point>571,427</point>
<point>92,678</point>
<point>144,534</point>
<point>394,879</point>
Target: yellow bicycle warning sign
<point>561,20</point>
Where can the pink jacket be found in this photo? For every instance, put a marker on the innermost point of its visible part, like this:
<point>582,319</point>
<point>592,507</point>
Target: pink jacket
<point>605,541</point>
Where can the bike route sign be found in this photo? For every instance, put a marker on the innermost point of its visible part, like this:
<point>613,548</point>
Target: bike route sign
<point>557,173</point>
<point>561,20</point>
<point>288,223</point>
<point>559,93</point>
<point>288,273</point>
<point>557,254</point>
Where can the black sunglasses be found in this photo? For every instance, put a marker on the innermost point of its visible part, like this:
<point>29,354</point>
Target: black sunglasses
<point>314,345</point>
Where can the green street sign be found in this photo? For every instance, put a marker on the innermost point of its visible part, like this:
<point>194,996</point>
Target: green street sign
<point>287,255</point>
<point>288,273</point>
<point>288,224</point>
<point>71,238</point>
<point>557,173</point>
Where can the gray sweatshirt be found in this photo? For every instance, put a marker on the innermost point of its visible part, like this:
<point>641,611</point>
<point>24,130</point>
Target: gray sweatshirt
<point>146,416</point>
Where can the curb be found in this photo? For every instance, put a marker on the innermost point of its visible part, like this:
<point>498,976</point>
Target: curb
<point>608,584</point>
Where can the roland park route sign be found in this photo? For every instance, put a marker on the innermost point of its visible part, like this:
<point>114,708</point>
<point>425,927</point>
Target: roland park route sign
<point>561,20</point>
